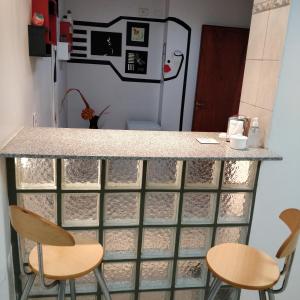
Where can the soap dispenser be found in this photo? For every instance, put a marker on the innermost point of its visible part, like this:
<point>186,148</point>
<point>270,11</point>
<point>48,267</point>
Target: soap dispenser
<point>254,135</point>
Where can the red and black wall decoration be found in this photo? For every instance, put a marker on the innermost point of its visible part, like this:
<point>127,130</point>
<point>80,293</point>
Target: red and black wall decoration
<point>43,34</point>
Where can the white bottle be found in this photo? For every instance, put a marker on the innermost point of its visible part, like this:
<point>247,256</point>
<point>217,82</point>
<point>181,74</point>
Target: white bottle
<point>254,135</point>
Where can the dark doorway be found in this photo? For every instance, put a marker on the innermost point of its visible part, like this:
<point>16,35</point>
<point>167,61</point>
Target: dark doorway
<point>220,76</point>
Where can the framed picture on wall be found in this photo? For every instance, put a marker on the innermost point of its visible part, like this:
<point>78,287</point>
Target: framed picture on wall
<point>137,34</point>
<point>106,43</point>
<point>136,62</point>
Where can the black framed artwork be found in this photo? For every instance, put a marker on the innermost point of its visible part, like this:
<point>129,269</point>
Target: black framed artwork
<point>136,62</point>
<point>106,43</point>
<point>137,34</point>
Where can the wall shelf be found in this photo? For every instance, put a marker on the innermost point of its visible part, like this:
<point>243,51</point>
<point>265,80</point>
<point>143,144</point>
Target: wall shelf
<point>37,44</point>
<point>41,38</point>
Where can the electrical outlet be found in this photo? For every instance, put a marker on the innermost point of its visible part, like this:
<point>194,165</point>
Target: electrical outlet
<point>35,121</point>
<point>143,12</point>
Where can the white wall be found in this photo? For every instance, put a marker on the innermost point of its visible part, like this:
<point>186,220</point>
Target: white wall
<point>61,113</point>
<point>279,182</point>
<point>148,101</point>
<point>25,87</point>
<point>100,85</point>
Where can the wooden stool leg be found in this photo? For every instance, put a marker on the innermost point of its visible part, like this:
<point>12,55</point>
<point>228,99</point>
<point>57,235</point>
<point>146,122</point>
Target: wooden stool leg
<point>216,285</point>
<point>102,284</point>
<point>262,295</point>
<point>72,289</point>
<point>28,286</point>
<point>61,290</point>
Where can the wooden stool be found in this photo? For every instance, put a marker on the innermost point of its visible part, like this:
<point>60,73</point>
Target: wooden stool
<point>247,268</point>
<point>57,255</point>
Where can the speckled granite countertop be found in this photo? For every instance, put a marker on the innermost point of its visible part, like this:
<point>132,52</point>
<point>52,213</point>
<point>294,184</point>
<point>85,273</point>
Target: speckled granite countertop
<point>103,144</point>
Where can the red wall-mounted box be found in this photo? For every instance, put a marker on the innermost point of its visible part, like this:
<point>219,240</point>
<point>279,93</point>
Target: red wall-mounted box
<point>48,8</point>
<point>65,33</point>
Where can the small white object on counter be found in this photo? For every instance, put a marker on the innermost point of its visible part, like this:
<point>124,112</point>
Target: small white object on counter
<point>207,141</point>
<point>254,135</point>
<point>238,142</point>
<point>236,127</point>
<point>223,135</point>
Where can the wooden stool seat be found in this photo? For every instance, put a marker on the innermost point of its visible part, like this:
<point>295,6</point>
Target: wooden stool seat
<point>68,262</point>
<point>242,266</point>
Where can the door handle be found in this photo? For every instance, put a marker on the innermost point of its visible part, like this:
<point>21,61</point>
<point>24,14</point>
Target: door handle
<point>200,105</point>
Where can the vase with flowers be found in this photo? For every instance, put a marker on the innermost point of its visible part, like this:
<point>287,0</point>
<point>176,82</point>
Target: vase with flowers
<point>87,113</point>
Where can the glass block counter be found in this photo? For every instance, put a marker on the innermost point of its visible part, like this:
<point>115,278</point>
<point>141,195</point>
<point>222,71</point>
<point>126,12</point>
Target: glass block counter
<point>157,201</point>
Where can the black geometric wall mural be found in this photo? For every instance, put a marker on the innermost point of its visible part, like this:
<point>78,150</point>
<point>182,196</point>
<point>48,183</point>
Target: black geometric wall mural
<point>107,44</point>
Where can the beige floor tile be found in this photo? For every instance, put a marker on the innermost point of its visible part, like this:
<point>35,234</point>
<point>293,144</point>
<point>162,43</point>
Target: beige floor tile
<point>264,116</point>
<point>267,86</point>
<point>251,81</point>
<point>276,33</point>
<point>257,35</point>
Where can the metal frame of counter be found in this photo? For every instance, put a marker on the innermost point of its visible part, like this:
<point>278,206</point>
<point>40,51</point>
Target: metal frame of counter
<point>155,216</point>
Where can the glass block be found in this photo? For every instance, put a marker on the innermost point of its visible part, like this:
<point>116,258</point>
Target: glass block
<point>156,274</point>
<point>228,293</point>
<point>124,173</point>
<point>239,174</point>
<point>80,174</point>
<point>82,297</point>
<point>235,207</point>
<point>80,209</point>
<point>86,297</point>
<point>120,243</point>
<point>164,173</point>
<point>25,248</point>
<point>35,173</point>
<point>199,208</point>
<point>121,209</point>
<point>202,174</point>
<point>84,236</point>
<point>37,288</point>
<point>161,208</point>
<point>161,295</point>
<point>195,241</point>
<point>86,284</point>
<point>119,276</point>
<point>194,294</point>
<point>231,235</point>
<point>158,242</point>
<point>46,298</point>
<point>43,204</point>
<point>191,273</point>
<point>123,296</point>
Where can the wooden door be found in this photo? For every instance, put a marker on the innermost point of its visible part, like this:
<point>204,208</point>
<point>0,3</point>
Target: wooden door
<point>220,76</point>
